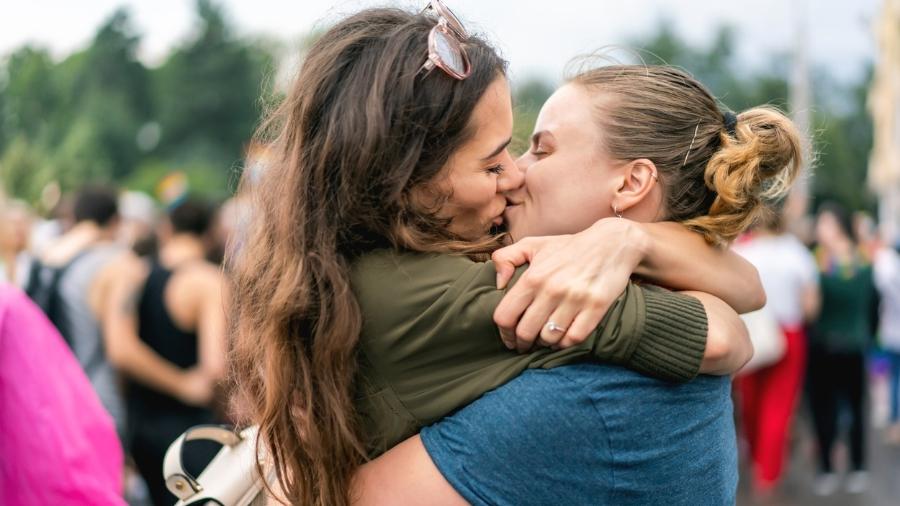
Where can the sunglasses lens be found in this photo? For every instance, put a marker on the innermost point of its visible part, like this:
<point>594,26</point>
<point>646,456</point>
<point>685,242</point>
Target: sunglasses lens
<point>449,51</point>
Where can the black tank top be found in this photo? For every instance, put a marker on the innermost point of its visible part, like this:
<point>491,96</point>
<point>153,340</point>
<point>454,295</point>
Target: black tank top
<point>157,329</point>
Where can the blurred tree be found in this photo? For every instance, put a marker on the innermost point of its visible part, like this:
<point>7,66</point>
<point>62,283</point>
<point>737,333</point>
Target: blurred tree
<point>843,142</point>
<point>22,169</point>
<point>207,93</point>
<point>29,93</point>
<point>528,98</point>
<point>115,93</point>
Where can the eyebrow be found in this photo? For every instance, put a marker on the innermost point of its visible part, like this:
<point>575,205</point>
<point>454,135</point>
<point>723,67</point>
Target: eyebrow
<point>499,149</point>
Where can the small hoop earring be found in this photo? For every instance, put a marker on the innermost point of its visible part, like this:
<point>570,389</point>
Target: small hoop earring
<point>616,211</point>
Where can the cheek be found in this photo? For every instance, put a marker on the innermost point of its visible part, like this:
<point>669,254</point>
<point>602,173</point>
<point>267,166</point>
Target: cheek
<point>475,192</point>
<point>566,200</point>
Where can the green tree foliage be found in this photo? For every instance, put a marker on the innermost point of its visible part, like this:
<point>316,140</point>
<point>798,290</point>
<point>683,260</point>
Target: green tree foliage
<point>29,92</point>
<point>208,95</point>
<point>100,115</point>
<point>529,97</point>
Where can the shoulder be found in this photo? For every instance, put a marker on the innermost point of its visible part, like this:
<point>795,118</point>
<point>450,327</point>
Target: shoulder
<point>202,272</point>
<point>124,267</point>
<point>19,316</point>
<point>12,300</point>
<point>432,300</point>
<point>199,283</point>
<point>411,277</point>
<point>417,268</point>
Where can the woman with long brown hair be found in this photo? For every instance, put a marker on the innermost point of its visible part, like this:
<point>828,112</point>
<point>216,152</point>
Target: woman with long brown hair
<point>361,311</point>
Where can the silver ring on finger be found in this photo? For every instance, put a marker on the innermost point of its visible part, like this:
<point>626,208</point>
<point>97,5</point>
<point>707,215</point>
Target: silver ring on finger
<point>552,326</point>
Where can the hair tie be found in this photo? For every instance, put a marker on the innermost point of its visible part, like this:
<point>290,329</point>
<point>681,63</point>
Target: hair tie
<point>730,120</point>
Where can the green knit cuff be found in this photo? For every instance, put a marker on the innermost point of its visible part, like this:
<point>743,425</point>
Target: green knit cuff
<point>673,340</point>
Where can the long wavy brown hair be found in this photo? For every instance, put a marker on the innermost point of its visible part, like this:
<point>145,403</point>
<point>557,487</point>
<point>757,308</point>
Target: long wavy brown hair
<point>359,130</point>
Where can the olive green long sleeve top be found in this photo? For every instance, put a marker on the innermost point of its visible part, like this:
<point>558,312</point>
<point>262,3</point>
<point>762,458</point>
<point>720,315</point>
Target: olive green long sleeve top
<point>429,345</point>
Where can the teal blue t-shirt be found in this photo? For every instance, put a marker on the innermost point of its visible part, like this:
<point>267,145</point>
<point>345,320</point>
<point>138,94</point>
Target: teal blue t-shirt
<point>591,434</point>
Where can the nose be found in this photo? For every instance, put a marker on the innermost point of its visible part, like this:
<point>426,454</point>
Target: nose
<point>524,161</point>
<point>512,178</point>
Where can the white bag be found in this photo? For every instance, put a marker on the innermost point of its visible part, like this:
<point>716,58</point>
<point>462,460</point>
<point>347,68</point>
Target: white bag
<point>768,340</point>
<point>230,479</point>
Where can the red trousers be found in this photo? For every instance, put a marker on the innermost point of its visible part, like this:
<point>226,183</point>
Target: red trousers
<point>768,398</point>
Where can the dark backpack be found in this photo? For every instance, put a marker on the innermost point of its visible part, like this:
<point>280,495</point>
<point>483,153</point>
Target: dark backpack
<point>43,288</point>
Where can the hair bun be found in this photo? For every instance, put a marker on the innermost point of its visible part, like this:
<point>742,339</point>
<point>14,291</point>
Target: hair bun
<point>753,169</point>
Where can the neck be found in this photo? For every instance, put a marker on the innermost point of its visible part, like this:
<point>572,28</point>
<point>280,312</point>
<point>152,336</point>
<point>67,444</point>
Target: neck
<point>181,248</point>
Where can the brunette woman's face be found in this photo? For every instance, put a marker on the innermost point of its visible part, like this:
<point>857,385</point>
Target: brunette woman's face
<point>481,171</point>
<point>567,176</point>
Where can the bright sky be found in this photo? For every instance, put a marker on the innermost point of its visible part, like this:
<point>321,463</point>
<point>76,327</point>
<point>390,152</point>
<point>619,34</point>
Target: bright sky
<point>537,36</point>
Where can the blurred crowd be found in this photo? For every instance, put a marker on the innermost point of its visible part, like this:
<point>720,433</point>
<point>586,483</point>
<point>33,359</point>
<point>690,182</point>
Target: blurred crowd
<point>834,296</point>
<point>135,291</point>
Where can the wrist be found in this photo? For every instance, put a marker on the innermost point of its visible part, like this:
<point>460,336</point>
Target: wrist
<point>637,242</point>
<point>644,242</point>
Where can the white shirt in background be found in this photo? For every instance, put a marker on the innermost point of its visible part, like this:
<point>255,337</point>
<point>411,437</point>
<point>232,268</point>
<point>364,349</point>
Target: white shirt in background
<point>887,280</point>
<point>786,269</point>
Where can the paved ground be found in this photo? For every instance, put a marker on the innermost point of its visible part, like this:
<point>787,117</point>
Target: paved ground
<point>796,489</point>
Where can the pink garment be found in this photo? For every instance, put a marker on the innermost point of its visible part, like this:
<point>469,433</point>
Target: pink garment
<point>57,443</point>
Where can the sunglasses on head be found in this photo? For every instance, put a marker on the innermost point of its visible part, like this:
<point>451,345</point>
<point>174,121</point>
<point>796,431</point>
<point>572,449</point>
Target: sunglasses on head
<point>445,43</point>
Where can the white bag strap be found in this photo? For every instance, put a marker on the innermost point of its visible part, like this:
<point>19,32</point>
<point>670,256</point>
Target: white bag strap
<point>178,480</point>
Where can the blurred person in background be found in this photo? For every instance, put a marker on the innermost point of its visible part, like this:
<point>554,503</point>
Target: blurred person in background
<point>221,231</point>
<point>139,219</point>
<point>866,232</point>
<point>58,444</point>
<point>768,396</point>
<point>838,343</point>
<point>46,232</point>
<point>887,280</point>
<point>71,282</point>
<point>165,330</point>
<point>16,219</point>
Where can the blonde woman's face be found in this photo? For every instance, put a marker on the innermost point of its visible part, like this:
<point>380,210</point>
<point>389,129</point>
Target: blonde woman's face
<point>481,172</point>
<point>567,176</point>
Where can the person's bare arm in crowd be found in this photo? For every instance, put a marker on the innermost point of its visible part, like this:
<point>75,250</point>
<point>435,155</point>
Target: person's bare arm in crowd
<point>211,326</point>
<point>124,348</point>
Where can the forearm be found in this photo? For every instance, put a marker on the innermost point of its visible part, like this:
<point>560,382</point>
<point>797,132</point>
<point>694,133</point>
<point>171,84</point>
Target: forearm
<point>403,475</point>
<point>655,332</point>
<point>728,345</point>
<point>677,258</point>
<point>144,365</point>
<point>124,348</point>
